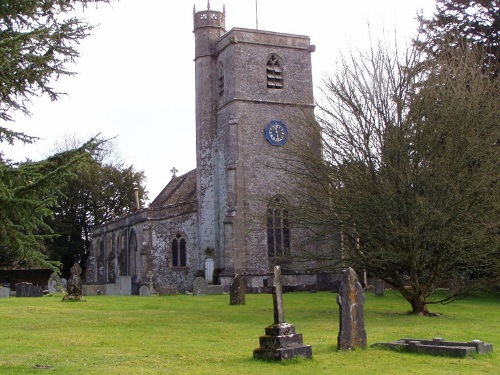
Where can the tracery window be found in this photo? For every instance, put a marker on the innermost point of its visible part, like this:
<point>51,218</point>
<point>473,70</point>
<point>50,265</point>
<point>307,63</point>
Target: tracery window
<point>179,258</point>
<point>278,228</point>
<point>274,72</point>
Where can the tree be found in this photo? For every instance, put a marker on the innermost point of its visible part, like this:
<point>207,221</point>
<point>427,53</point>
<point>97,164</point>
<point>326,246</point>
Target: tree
<point>93,195</point>
<point>409,172</point>
<point>463,22</point>
<point>37,41</point>
<point>27,195</point>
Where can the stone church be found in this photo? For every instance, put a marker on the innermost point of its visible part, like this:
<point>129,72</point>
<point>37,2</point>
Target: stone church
<point>227,216</point>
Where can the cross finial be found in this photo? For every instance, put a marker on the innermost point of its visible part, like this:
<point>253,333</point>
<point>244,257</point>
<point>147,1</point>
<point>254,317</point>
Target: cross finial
<point>174,171</point>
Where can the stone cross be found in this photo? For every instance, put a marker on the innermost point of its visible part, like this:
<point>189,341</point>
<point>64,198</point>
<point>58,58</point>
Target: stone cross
<point>275,283</point>
<point>351,299</point>
<point>174,171</point>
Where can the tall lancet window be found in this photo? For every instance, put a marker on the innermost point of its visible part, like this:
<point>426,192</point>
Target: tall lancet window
<point>274,70</point>
<point>278,228</point>
<point>179,256</point>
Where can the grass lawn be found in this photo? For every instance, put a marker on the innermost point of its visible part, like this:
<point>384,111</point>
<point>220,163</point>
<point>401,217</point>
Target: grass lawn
<point>205,335</point>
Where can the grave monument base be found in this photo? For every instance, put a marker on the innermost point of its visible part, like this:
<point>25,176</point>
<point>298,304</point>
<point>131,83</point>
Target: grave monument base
<point>282,343</point>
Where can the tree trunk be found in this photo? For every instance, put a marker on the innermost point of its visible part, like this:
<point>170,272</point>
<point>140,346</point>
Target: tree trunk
<point>416,300</point>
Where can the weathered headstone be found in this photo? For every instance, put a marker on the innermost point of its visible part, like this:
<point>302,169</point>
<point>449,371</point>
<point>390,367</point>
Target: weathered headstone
<point>150,276</point>
<point>28,290</point>
<point>4,292</point>
<point>438,346</point>
<point>351,299</point>
<point>144,291</point>
<point>280,342</point>
<point>200,286</point>
<point>74,289</point>
<point>379,287</point>
<point>237,291</point>
<point>55,284</point>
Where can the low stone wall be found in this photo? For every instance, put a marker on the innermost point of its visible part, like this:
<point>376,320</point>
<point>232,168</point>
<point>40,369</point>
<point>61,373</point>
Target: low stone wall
<point>122,287</point>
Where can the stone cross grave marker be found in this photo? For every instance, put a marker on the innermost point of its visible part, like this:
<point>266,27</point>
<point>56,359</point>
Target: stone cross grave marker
<point>280,342</point>
<point>351,299</point>
<point>275,283</point>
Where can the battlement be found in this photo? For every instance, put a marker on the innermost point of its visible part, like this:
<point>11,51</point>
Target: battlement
<point>209,18</point>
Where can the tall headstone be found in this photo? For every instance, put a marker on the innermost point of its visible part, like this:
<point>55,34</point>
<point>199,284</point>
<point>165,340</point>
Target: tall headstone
<point>74,289</point>
<point>237,291</point>
<point>280,342</point>
<point>351,300</point>
<point>55,284</point>
<point>379,287</point>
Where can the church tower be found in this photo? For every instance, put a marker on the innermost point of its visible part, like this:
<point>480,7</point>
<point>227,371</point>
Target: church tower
<point>209,26</point>
<point>254,91</point>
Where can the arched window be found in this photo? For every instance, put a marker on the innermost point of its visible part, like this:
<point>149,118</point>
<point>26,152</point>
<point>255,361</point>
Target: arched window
<point>274,70</point>
<point>278,228</point>
<point>220,80</point>
<point>179,251</point>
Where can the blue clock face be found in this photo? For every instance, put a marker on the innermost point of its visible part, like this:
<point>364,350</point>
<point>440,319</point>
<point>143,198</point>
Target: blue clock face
<point>276,133</point>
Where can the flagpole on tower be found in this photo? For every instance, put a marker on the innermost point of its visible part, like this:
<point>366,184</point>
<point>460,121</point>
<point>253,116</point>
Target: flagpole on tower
<point>256,16</point>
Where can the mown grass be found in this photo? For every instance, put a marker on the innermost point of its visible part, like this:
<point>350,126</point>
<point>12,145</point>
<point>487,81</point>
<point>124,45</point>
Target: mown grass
<point>205,335</point>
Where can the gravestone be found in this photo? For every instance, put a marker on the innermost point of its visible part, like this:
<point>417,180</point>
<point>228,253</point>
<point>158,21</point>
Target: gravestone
<point>74,289</point>
<point>351,299</point>
<point>201,287</point>
<point>55,284</point>
<point>237,291</point>
<point>28,290</point>
<point>280,342</point>
<point>144,291</point>
<point>4,292</point>
<point>438,346</point>
<point>379,287</point>
<point>150,276</point>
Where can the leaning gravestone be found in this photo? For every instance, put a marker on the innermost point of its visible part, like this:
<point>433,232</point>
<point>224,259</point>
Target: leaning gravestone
<point>55,284</point>
<point>237,291</point>
<point>351,299</point>
<point>280,342</point>
<point>74,285</point>
<point>28,290</point>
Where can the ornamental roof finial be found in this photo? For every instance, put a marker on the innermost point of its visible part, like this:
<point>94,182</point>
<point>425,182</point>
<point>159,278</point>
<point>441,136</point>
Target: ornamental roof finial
<point>194,8</point>
<point>224,8</point>
<point>208,5</point>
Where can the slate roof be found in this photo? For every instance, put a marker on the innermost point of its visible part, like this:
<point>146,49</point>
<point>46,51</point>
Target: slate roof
<point>180,189</point>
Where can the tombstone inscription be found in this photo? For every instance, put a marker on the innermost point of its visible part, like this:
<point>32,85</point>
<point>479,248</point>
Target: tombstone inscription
<point>280,342</point>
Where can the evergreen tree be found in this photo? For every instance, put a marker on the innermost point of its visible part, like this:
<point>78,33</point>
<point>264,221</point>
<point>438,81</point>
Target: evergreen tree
<point>37,41</point>
<point>459,23</point>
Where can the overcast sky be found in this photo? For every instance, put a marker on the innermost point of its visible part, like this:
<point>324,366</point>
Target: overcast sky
<point>135,76</point>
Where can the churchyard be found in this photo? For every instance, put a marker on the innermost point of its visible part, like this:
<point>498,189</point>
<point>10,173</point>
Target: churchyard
<point>186,334</point>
